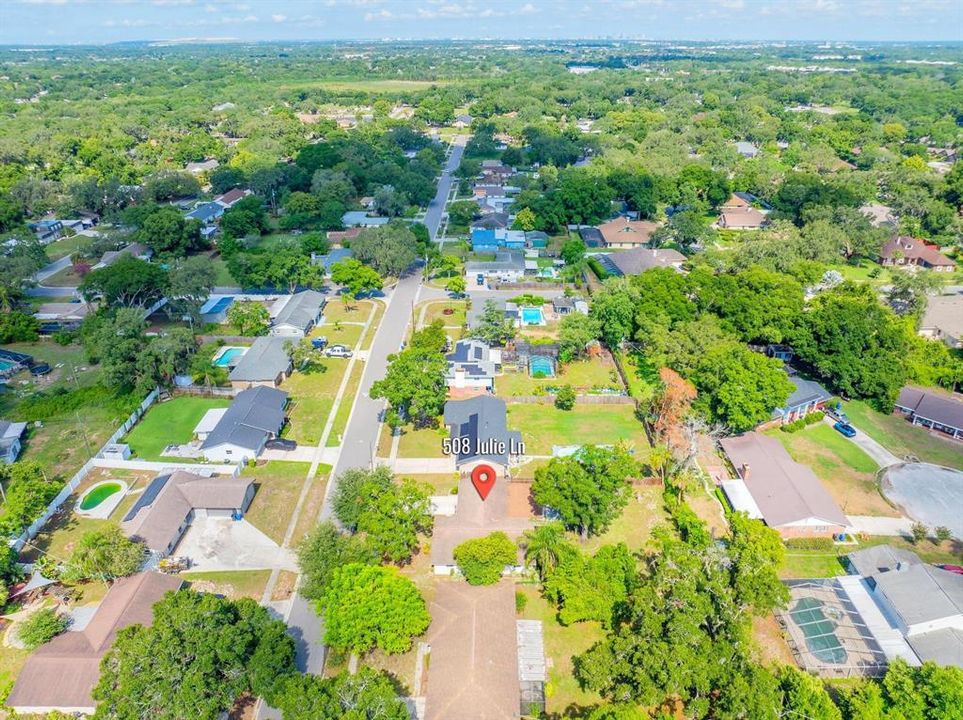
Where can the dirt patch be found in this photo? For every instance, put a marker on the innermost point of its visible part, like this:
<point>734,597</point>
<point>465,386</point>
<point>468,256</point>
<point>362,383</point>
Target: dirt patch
<point>284,587</point>
<point>769,641</point>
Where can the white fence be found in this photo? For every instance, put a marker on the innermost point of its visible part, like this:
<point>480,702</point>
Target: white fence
<point>67,490</point>
<point>160,466</point>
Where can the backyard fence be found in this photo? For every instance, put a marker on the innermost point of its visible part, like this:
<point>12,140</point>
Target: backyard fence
<point>205,391</point>
<point>74,482</point>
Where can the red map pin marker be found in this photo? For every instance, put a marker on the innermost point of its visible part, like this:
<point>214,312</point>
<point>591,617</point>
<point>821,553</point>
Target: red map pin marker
<point>483,478</point>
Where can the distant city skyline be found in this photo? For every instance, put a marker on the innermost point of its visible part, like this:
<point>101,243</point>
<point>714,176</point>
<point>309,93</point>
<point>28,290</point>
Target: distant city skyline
<point>27,22</point>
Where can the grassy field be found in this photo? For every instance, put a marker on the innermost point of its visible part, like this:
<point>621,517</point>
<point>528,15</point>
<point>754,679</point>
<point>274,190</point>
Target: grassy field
<point>643,378</point>
<point>312,504</point>
<point>562,644</point>
<point>901,438</point>
<point>234,584</point>
<point>823,563</point>
<point>311,399</point>
<point>543,426</point>
<point>435,310</point>
<point>65,246</point>
<point>222,277</point>
<point>277,487</point>
<point>357,311</point>
<point>583,375</point>
<point>167,423</point>
<point>422,442</point>
<point>340,333</point>
<point>65,278</point>
<point>59,536</point>
<point>633,527</point>
<point>847,472</point>
<point>368,338</point>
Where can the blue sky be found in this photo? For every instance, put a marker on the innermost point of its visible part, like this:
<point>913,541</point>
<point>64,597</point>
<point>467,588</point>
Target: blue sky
<point>99,21</point>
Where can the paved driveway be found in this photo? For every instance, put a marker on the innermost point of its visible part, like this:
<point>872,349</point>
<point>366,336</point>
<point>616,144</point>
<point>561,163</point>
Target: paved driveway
<point>225,544</point>
<point>887,526</point>
<point>880,455</point>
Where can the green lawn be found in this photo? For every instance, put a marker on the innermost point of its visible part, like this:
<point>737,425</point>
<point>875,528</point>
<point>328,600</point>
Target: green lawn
<point>562,645</point>
<point>845,470</point>
<point>643,378</point>
<point>423,442</point>
<point>828,563</point>
<point>861,272</point>
<point>311,399</point>
<point>277,487</point>
<point>583,375</point>
<point>169,423</point>
<point>65,246</point>
<point>436,311</point>
<point>634,525</point>
<point>544,425</point>
<point>222,277</point>
<point>344,409</point>
<point>357,311</point>
<point>901,438</point>
<point>234,584</point>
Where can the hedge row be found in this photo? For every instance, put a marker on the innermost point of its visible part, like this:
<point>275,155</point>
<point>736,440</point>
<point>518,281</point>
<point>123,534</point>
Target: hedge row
<point>810,419</point>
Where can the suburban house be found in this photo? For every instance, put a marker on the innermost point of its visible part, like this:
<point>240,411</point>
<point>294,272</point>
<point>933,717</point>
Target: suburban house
<point>927,409</point>
<point>906,251</point>
<point>774,488</point>
<point>563,305</point>
<point>943,319</point>
<point>300,313</point>
<point>508,266</point>
<point>462,121</point>
<point>47,230</point>
<point>479,425</point>
<point>10,435</point>
<point>360,218</point>
<point>206,213</point>
<point>510,311</point>
<point>335,255</point>
<point>741,218</point>
<point>624,233</point>
<point>266,362</point>
<point>636,262</point>
<point>924,603</point>
<point>54,317</point>
<point>337,237</point>
<point>492,239</point>
<point>169,504</point>
<point>536,239</point>
<point>746,149</point>
<point>231,198</point>
<point>809,396</point>
<point>491,221</point>
<point>60,675</point>
<point>137,250</point>
<point>472,365</point>
<point>202,166</point>
<point>473,670</point>
<point>255,416</point>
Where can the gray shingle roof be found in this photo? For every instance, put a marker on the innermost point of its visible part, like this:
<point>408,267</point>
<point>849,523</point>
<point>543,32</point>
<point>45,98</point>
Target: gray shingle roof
<point>638,260</point>
<point>505,260</point>
<point>301,310</point>
<point>807,391</point>
<point>254,415</point>
<point>944,647</point>
<point>881,558</point>
<point>263,362</point>
<point>930,406</point>
<point>922,593</point>
<point>480,419</point>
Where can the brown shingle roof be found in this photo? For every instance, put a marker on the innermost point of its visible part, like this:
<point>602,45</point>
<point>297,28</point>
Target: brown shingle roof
<point>744,217</point>
<point>785,491</point>
<point>622,231</point>
<point>474,653</point>
<point>62,673</point>
<point>915,249</point>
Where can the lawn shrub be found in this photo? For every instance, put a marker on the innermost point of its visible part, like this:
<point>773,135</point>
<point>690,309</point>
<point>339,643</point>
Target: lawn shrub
<point>803,422</point>
<point>41,627</point>
<point>60,401</point>
<point>809,543</point>
<point>597,268</point>
<point>482,560</point>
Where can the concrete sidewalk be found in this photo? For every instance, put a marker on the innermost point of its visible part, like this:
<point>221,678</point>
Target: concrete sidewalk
<point>885,526</point>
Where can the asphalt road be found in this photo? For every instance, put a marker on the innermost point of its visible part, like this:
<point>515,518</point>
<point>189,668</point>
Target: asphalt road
<point>360,440</point>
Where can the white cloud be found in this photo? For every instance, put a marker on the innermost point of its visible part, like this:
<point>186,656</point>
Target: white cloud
<point>279,18</point>
<point>526,9</point>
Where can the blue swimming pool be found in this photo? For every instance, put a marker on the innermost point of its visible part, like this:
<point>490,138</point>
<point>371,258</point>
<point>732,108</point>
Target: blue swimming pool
<point>541,365</point>
<point>229,356</point>
<point>219,306</point>
<point>531,316</point>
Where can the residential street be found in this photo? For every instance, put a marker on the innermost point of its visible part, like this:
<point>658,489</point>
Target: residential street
<point>360,440</point>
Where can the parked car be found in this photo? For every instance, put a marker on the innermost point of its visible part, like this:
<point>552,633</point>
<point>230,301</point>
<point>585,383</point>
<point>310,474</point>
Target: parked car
<point>319,343</point>
<point>845,429</point>
<point>956,569</point>
<point>281,444</point>
<point>338,351</point>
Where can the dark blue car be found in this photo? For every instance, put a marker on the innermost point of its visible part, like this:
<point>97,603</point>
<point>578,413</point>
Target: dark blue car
<point>846,429</point>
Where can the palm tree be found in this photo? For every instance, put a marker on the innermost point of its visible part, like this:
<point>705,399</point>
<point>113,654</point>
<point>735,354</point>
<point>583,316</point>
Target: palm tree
<point>544,546</point>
